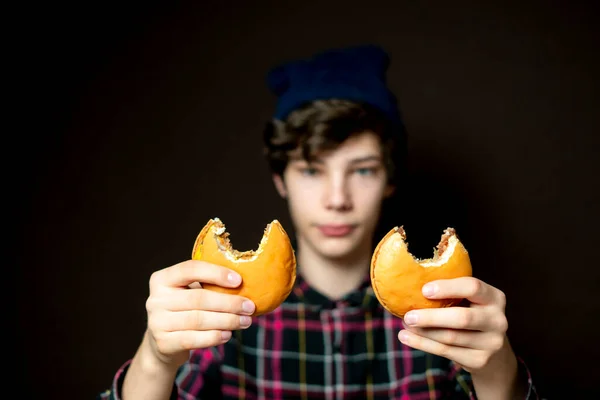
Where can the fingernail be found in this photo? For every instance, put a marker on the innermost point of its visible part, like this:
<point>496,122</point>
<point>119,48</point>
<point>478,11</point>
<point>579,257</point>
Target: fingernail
<point>245,321</point>
<point>430,289</point>
<point>234,278</point>
<point>410,318</point>
<point>403,336</point>
<point>248,306</point>
<point>225,335</point>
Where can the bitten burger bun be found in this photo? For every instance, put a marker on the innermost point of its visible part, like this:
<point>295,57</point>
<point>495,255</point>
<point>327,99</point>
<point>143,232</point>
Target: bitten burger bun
<point>268,273</point>
<point>398,277</point>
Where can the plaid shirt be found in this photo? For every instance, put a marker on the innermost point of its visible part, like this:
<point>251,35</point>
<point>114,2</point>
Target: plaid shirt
<point>314,348</point>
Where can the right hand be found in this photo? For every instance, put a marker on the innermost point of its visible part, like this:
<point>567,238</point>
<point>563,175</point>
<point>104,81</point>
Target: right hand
<point>182,316</point>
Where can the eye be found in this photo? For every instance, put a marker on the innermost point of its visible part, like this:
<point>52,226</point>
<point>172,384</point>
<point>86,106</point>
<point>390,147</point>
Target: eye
<point>366,171</point>
<point>309,171</point>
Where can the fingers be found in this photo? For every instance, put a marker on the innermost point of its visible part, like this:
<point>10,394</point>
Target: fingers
<point>183,316</point>
<point>190,271</point>
<point>476,319</point>
<point>469,358</point>
<point>460,338</point>
<point>199,320</point>
<point>200,299</point>
<point>469,336</point>
<point>472,289</point>
<point>173,342</point>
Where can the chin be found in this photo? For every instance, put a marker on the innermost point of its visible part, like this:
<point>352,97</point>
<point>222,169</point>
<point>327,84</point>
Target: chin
<point>336,248</point>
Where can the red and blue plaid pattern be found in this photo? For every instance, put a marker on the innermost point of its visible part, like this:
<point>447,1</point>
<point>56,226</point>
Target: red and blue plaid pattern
<point>314,348</point>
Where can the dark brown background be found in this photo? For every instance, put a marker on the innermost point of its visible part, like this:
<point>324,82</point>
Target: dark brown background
<point>145,121</point>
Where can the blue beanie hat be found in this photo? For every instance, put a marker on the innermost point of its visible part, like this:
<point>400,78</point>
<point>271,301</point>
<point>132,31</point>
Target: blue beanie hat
<point>354,73</point>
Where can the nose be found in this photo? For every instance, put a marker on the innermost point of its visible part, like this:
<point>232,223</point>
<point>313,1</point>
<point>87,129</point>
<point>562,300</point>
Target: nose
<point>337,194</point>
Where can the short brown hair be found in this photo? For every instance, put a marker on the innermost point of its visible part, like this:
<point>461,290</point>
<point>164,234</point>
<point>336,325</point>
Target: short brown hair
<point>324,124</point>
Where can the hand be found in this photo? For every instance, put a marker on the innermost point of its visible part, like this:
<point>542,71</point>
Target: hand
<point>182,316</point>
<point>470,336</point>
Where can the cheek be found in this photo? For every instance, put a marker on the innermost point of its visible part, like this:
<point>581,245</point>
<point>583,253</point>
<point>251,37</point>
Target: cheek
<point>302,200</point>
<point>369,195</point>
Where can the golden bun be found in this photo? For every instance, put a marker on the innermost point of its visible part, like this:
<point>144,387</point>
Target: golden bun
<point>398,277</point>
<point>268,273</point>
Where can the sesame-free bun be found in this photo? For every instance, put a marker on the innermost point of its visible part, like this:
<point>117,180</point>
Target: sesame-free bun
<point>268,273</point>
<point>398,277</point>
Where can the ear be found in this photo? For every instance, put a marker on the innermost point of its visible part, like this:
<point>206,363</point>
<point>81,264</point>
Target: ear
<point>280,185</point>
<point>389,191</point>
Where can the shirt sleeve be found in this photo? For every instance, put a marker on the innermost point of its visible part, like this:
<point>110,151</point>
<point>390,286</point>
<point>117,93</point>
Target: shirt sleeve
<point>464,383</point>
<point>525,375</point>
<point>199,377</point>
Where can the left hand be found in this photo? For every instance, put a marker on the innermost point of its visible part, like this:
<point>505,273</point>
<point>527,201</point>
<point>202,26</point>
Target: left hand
<point>469,336</point>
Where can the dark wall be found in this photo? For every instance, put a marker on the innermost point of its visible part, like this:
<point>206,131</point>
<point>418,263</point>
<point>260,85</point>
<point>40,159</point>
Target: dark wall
<point>144,122</point>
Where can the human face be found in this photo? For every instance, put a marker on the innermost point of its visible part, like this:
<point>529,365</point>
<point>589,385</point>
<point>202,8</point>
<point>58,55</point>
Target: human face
<point>335,200</point>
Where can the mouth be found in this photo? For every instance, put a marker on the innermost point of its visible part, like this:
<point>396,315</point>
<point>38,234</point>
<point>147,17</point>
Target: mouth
<point>336,230</point>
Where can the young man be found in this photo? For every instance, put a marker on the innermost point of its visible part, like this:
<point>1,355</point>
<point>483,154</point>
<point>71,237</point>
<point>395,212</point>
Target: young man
<point>336,148</point>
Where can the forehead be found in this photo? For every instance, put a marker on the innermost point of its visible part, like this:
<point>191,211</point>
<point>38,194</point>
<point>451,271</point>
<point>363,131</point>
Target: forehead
<point>361,146</point>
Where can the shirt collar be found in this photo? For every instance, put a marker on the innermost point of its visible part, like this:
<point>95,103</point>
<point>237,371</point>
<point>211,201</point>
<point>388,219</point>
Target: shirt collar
<point>362,297</point>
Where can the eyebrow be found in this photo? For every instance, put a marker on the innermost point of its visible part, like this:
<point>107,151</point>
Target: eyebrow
<point>358,160</point>
<point>365,159</point>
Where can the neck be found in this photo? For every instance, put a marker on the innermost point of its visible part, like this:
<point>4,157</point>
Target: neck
<point>333,277</point>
